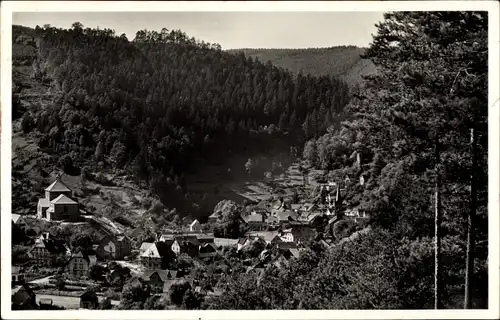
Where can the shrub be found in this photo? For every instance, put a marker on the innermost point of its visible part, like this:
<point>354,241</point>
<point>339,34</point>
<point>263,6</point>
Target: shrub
<point>60,283</point>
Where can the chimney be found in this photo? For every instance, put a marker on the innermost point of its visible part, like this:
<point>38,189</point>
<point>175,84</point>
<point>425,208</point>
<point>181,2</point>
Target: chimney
<point>358,158</point>
<point>46,235</point>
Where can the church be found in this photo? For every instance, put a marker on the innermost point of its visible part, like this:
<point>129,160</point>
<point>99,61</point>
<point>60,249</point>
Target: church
<point>57,204</point>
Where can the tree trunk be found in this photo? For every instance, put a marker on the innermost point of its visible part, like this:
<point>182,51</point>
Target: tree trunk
<point>437,227</point>
<point>469,264</point>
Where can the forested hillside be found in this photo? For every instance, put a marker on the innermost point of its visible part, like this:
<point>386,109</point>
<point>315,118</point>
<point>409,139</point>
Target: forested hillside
<point>344,62</point>
<point>420,130</point>
<point>160,104</point>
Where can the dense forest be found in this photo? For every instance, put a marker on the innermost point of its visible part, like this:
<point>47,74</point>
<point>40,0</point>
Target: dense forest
<point>420,128</point>
<point>343,62</point>
<point>160,104</point>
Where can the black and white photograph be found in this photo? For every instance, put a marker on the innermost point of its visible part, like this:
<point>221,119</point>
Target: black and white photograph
<point>250,160</point>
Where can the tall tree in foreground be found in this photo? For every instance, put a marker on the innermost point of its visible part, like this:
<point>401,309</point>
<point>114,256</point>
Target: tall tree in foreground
<point>431,88</point>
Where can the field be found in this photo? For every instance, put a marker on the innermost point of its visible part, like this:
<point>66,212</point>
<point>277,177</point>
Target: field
<point>67,302</point>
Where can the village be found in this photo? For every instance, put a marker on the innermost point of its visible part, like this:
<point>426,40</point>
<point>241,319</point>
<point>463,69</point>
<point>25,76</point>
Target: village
<point>88,275</point>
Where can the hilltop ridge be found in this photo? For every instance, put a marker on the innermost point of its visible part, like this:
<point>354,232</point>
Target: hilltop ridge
<point>344,62</point>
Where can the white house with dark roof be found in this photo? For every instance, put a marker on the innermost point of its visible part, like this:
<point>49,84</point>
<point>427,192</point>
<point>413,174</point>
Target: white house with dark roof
<point>57,204</point>
<point>195,226</point>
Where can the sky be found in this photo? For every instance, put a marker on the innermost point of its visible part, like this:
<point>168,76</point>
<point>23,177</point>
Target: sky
<point>231,30</point>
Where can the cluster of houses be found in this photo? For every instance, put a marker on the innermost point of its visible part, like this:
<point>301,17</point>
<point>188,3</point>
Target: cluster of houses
<point>300,216</point>
<point>281,225</point>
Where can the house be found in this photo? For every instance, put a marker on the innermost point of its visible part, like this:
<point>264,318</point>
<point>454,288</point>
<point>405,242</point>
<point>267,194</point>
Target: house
<point>157,278</point>
<point>287,216</point>
<point>205,237</point>
<point>62,208</point>
<point>207,250</point>
<point>23,298</point>
<point>225,242</point>
<point>166,237</point>
<point>46,249</point>
<point>144,247</point>
<point>277,207</point>
<point>114,247</point>
<point>287,235</point>
<point>200,236</point>
<point>157,255</point>
<point>18,219</point>
<point>18,275</point>
<point>89,300</point>
<point>213,218</point>
<point>314,218</point>
<point>272,220</point>
<point>57,204</point>
<point>298,234</point>
<point>308,207</point>
<point>255,220</point>
<point>195,226</point>
<point>242,243</point>
<point>176,247</point>
<point>296,207</point>
<point>267,236</point>
<point>80,263</point>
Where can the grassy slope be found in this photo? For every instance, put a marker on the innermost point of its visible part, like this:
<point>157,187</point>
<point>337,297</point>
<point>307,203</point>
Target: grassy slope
<point>343,62</point>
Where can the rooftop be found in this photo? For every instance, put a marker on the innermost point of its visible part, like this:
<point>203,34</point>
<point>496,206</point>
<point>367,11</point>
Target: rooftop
<point>62,199</point>
<point>58,186</point>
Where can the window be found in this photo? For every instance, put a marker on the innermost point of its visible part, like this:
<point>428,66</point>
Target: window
<point>13,278</point>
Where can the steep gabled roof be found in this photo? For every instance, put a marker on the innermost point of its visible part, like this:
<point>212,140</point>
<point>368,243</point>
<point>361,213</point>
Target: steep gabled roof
<point>15,217</point>
<point>54,246</point>
<point>267,236</point>
<point>195,222</point>
<point>158,249</point>
<point>187,239</point>
<point>163,274</point>
<point>58,186</point>
<point>295,252</point>
<point>242,241</point>
<point>287,215</point>
<point>17,299</point>
<point>145,246</point>
<point>207,248</point>
<point>151,252</point>
<point>88,255</point>
<point>62,199</point>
